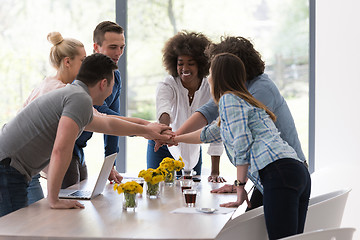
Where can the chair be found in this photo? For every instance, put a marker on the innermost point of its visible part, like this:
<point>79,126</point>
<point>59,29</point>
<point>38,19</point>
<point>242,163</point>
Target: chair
<point>326,211</point>
<point>326,234</point>
<point>252,228</point>
<point>238,218</point>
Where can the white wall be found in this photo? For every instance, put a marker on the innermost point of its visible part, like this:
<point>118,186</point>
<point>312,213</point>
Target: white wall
<point>337,121</point>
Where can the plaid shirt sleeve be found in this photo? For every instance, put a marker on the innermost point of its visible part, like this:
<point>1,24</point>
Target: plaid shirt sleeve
<point>210,133</point>
<point>234,127</point>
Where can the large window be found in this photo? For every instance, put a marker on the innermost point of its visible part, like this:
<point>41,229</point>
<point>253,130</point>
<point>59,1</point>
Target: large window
<point>25,50</point>
<point>279,29</point>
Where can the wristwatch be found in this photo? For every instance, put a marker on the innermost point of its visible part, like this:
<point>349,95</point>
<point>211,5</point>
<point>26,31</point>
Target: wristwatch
<point>238,183</point>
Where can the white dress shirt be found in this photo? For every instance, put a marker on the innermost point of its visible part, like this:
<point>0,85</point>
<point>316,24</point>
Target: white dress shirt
<point>172,98</point>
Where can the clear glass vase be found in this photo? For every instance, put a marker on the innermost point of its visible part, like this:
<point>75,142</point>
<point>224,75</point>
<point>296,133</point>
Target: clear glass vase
<point>153,190</point>
<point>130,201</point>
<point>169,178</point>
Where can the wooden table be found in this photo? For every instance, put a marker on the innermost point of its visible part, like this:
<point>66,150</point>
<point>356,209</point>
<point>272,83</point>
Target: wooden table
<point>103,218</point>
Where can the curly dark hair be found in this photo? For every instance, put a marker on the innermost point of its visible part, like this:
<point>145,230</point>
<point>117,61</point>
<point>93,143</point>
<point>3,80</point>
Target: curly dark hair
<point>242,48</point>
<point>186,43</point>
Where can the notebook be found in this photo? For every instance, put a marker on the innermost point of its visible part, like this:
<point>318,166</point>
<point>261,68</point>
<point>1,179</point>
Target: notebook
<point>99,186</point>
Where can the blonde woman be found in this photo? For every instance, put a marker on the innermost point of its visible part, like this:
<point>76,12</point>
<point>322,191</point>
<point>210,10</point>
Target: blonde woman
<point>66,56</point>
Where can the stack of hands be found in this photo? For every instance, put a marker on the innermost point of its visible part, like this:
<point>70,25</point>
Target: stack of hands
<point>171,141</point>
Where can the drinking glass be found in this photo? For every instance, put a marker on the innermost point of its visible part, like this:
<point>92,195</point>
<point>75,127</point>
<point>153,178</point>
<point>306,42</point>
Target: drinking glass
<point>185,184</point>
<point>190,197</point>
<point>187,174</point>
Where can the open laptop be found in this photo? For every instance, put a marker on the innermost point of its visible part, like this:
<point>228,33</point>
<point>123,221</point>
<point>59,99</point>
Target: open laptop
<point>99,186</point>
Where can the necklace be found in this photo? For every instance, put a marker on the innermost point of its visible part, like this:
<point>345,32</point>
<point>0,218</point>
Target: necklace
<point>190,97</point>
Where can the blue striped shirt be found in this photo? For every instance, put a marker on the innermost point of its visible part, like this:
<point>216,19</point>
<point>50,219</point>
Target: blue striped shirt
<point>249,136</point>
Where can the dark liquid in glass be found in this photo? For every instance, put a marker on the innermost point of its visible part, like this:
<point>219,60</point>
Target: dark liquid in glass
<point>187,177</point>
<point>185,187</point>
<point>190,197</point>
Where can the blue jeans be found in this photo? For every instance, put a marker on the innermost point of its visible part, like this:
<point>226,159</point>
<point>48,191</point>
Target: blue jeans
<point>287,187</point>
<point>13,194</point>
<point>154,158</point>
<point>34,191</point>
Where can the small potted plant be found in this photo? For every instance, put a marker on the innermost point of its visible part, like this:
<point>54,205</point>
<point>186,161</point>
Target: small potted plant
<point>152,178</point>
<point>169,166</point>
<point>130,189</point>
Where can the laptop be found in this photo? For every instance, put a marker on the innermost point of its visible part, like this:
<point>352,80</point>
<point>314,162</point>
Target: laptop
<point>99,186</point>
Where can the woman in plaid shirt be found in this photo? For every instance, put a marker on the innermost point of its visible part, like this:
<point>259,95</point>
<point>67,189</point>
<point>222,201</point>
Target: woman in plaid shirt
<point>253,144</point>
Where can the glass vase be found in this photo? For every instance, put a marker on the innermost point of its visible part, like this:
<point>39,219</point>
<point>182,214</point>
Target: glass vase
<point>153,190</point>
<point>169,178</point>
<point>130,201</point>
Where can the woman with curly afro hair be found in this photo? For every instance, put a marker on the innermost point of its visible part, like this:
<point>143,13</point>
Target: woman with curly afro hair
<point>180,94</point>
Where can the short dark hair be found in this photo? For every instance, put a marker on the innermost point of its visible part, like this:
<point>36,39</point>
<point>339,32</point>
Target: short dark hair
<point>104,27</point>
<point>95,68</point>
<point>186,43</point>
<point>242,48</point>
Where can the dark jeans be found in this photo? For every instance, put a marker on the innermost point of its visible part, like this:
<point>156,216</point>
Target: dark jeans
<point>75,173</point>
<point>13,194</point>
<point>154,158</point>
<point>287,187</point>
<point>256,200</point>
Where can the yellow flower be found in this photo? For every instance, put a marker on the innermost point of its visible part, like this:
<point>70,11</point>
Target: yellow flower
<point>157,179</point>
<point>152,176</point>
<point>171,164</point>
<point>147,177</point>
<point>128,187</point>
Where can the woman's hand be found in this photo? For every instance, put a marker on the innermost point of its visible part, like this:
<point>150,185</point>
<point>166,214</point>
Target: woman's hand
<point>216,179</point>
<point>242,196</point>
<point>227,188</point>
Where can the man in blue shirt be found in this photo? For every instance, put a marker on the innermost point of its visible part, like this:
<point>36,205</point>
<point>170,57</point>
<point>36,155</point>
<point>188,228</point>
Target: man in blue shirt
<point>262,88</point>
<point>109,40</point>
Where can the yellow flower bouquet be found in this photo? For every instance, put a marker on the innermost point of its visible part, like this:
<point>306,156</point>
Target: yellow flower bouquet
<point>169,166</point>
<point>130,189</point>
<point>152,177</point>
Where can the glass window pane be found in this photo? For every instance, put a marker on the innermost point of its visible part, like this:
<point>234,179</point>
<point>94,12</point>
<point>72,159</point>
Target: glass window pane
<point>278,29</point>
<point>25,49</point>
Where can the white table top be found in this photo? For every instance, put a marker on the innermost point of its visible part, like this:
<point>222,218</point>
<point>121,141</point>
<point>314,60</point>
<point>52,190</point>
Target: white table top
<point>104,218</point>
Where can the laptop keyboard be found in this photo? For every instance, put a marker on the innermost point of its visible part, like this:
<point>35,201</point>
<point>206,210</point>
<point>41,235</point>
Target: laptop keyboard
<point>80,193</point>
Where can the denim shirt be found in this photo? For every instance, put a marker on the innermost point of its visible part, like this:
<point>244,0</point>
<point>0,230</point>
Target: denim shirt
<point>265,90</point>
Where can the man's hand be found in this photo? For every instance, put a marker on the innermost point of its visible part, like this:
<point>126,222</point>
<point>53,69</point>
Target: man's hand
<point>170,142</point>
<point>158,131</point>
<point>227,188</point>
<point>216,179</point>
<point>115,176</point>
<point>65,204</point>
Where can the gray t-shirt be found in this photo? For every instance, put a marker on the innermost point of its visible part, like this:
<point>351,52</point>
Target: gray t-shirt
<point>29,137</point>
<point>265,90</point>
